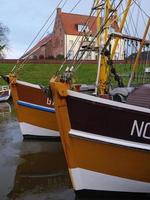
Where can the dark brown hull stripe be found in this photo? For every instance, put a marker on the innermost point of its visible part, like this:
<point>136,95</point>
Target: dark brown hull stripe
<point>109,120</point>
<point>90,194</point>
<point>32,93</point>
<point>107,101</point>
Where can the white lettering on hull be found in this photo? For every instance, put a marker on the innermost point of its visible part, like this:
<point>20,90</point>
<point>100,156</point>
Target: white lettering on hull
<point>141,129</point>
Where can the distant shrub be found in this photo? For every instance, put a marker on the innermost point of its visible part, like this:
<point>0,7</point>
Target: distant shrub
<point>60,57</point>
<point>50,57</point>
<point>41,57</point>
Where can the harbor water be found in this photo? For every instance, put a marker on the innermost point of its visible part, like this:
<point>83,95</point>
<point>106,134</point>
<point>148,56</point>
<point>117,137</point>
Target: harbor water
<point>32,169</point>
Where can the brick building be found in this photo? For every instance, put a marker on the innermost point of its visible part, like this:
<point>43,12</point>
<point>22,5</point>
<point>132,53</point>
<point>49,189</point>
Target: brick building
<point>67,28</point>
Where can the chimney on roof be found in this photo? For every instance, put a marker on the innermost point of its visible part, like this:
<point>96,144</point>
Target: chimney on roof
<point>58,10</point>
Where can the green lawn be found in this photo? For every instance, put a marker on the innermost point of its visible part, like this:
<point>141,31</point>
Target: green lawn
<point>41,73</point>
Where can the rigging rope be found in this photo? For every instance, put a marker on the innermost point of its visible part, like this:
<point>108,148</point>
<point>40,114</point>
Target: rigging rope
<point>79,61</point>
<point>75,42</point>
<point>38,33</point>
<point>103,26</point>
<point>77,39</point>
<point>43,27</point>
<point>25,61</point>
<point>141,9</point>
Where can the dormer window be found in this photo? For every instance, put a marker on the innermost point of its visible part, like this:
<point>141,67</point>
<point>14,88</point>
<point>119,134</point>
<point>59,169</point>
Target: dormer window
<point>82,28</point>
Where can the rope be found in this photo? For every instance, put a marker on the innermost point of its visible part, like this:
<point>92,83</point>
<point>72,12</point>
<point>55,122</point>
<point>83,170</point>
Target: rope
<point>38,34</point>
<point>75,6</point>
<point>141,9</point>
<point>103,26</point>
<point>73,45</point>
<point>22,65</point>
<point>78,39</point>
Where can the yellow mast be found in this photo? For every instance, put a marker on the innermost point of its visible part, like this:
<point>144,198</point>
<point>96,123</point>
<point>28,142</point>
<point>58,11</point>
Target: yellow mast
<point>98,23</point>
<point>103,69</point>
<point>134,68</point>
<point>121,27</point>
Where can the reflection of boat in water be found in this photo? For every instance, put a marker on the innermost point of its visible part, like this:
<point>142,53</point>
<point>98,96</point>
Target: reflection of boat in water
<point>106,135</point>
<point>42,168</point>
<point>5,109</point>
<point>4,93</point>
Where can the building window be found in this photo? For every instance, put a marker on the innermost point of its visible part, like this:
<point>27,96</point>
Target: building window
<point>70,43</point>
<point>70,54</point>
<point>79,55</point>
<point>82,28</point>
<point>89,56</point>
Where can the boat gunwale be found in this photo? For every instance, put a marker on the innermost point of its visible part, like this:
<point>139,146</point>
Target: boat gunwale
<point>101,100</point>
<point>28,84</point>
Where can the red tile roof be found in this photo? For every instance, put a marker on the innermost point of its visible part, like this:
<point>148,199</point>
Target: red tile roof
<point>70,22</point>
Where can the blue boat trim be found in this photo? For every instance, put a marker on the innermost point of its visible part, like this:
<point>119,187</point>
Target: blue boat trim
<point>35,106</point>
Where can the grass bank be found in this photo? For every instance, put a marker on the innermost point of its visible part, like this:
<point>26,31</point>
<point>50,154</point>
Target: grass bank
<point>41,73</point>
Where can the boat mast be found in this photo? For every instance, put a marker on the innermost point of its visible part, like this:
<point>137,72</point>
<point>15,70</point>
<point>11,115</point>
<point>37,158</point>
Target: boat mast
<point>98,23</point>
<point>103,69</point>
<point>138,54</point>
<point>121,27</point>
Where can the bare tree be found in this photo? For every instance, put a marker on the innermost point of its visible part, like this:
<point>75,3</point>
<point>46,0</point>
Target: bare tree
<point>3,39</point>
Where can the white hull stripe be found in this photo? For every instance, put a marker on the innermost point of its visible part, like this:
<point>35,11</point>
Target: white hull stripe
<point>28,84</point>
<point>90,180</point>
<point>29,129</point>
<point>107,102</point>
<point>111,140</point>
<point>35,106</point>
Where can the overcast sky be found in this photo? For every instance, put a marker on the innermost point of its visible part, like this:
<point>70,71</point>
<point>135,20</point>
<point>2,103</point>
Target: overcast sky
<point>24,18</point>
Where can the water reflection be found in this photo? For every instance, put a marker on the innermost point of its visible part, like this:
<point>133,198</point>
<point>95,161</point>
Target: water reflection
<point>34,170</point>
<point>30,169</point>
<point>5,109</point>
<point>42,168</point>
<point>10,139</point>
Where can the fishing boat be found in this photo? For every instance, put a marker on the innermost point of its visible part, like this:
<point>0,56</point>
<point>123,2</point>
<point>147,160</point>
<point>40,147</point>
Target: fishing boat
<point>35,114</point>
<point>4,93</point>
<point>106,134</point>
